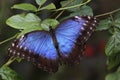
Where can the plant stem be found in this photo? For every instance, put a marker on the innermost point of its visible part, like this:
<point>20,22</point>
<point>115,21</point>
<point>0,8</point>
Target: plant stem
<point>8,39</point>
<point>70,7</point>
<point>59,14</point>
<point>9,61</point>
<point>73,6</point>
<point>62,10</point>
<point>68,3</point>
<point>108,13</point>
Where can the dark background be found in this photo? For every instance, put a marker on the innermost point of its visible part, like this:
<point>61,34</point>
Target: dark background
<point>93,65</point>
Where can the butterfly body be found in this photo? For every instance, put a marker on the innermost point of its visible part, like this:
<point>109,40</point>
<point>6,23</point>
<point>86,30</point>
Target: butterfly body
<point>63,45</point>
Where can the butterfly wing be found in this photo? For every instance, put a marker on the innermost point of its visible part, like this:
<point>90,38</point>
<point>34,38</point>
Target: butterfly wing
<point>72,35</point>
<point>36,46</point>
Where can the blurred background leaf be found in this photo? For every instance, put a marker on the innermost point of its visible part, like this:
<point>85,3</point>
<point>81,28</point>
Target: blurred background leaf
<point>113,76</point>
<point>48,7</point>
<point>8,74</point>
<point>45,24</point>
<point>40,2</point>
<point>69,3</point>
<point>27,21</point>
<point>25,6</point>
<point>104,25</point>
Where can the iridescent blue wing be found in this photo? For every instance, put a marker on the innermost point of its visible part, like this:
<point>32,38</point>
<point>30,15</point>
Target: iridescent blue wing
<point>36,46</point>
<point>71,35</point>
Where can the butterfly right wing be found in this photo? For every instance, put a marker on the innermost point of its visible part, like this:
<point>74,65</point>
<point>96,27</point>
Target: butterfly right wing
<point>38,47</point>
<point>72,35</point>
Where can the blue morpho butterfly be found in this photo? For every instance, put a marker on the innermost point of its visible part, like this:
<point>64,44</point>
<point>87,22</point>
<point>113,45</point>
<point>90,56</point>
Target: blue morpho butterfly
<point>62,45</point>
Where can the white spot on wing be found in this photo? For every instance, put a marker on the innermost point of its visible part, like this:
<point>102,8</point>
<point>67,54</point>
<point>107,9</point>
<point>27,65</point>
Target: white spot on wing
<point>80,33</point>
<point>87,21</point>
<point>91,28</point>
<point>21,37</point>
<point>85,38</point>
<point>93,24</point>
<point>20,47</point>
<point>94,17</point>
<point>10,51</point>
<point>84,24</point>
<point>95,21</point>
<point>13,44</point>
<point>89,17</point>
<point>18,54</point>
<point>30,51</point>
<point>25,48</point>
<point>82,28</point>
<point>23,55</point>
<point>88,32</point>
<point>17,46</point>
<point>14,52</point>
<point>77,17</point>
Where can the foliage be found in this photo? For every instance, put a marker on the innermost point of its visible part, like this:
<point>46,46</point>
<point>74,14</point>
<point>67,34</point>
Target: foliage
<point>113,76</point>
<point>29,21</point>
<point>8,74</point>
<point>112,49</point>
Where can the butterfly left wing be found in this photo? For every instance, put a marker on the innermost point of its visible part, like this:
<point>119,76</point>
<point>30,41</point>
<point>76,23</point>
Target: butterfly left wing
<point>72,35</point>
<point>38,47</point>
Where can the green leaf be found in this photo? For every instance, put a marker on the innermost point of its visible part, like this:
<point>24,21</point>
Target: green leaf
<point>24,22</point>
<point>45,26</point>
<point>84,10</point>
<point>8,74</point>
<point>48,7</point>
<point>104,25</point>
<point>113,43</point>
<point>25,6</point>
<point>40,2</point>
<point>117,22</point>
<point>69,3</point>
<point>28,30</point>
<point>117,15</point>
<point>113,61</point>
<point>117,19</point>
<point>110,46</point>
<point>18,59</point>
<point>49,23</point>
<point>113,76</point>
